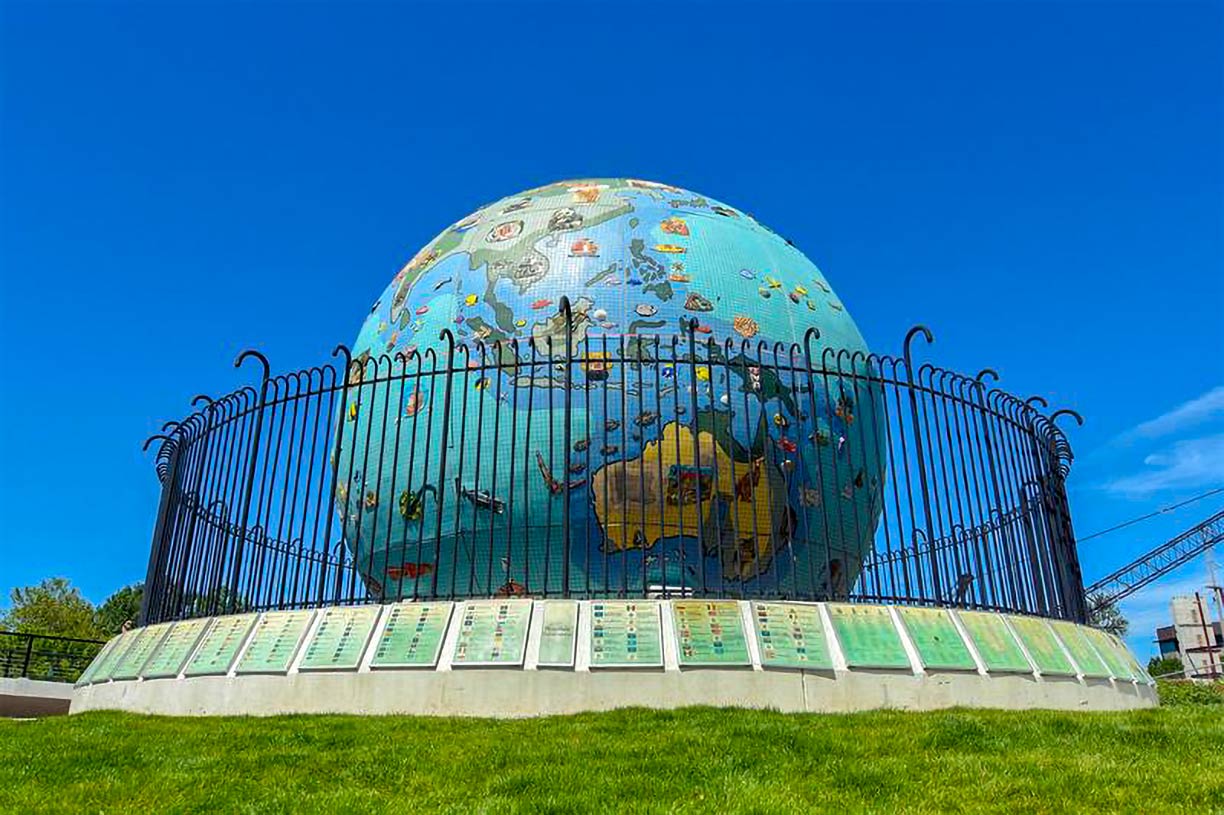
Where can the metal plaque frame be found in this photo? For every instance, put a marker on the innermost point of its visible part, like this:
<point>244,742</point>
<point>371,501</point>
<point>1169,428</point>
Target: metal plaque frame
<point>791,636</point>
<point>175,649</point>
<point>936,638</point>
<point>995,643</point>
<point>558,634</point>
<point>275,642</point>
<point>1090,664</point>
<point>221,645</point>
<point>628,617</point>
<point>868,636</point>
<point>348,646</point>
<point>1042,645</point>
<point>476,616</point>
<point>143,645</point>
<point>432,621</point>
<point>93,673</point>
<point>710,633</point>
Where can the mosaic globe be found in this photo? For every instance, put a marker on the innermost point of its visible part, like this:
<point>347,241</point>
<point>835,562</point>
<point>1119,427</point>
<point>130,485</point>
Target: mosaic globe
<point>660,434</point>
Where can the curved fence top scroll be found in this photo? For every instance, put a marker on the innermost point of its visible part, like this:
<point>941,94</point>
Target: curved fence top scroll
<point>617,466</point>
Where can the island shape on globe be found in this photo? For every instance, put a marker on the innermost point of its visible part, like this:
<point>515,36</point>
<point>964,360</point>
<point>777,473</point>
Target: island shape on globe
<point>696,452</point>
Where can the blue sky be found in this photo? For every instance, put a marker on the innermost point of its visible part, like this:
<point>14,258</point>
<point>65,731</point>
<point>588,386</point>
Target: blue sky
<point>1042,184</point>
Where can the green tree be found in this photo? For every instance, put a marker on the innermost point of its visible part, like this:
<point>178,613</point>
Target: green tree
<point>120,607</point>
<point>54,607</point>
<point>1107,616</point>
<point>1162,666</point>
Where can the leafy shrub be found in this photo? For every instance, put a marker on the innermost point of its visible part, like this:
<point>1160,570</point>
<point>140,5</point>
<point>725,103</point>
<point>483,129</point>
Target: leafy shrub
<point>1160,666</point>
<point>1175,693</point>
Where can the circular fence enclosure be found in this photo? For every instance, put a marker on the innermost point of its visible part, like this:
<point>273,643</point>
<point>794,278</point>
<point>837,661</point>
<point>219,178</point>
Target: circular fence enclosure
<point>743,470</point>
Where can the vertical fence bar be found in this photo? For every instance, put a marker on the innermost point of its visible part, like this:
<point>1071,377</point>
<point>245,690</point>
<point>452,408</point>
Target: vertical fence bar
<point>252,460</point>
<point>918,448</point>
<point>29,651</point>
<point>568,316</point>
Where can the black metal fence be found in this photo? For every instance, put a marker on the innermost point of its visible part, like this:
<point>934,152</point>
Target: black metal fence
<point>45,657</point>
<point>496,469</point>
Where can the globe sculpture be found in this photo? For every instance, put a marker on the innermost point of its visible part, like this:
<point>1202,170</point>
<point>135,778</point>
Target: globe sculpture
<point>626,416</point>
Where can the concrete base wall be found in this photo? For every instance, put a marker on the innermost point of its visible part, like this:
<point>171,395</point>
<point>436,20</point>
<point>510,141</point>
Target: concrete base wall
<point>22,698</point>
<point>517,693</point>
<point>446,688</point>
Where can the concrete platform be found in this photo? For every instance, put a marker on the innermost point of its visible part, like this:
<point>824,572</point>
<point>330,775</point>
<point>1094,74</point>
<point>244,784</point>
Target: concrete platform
<point>501,693</point>
<point>1083,670</point>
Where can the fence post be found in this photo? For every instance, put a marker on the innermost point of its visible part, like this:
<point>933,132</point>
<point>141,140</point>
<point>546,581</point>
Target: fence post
<point>250,473</point>
<point>444,334</point>
<point>25,666</point>
<point>690,327</point>
<point>922,470</point>
<point>1041,470</point>
<point>334,469</point>
<point>567,315</point>
<point>153,571</point>
<point>1073,578</point>
<point>809,372</point>
<point>178,595</point>
<point>1042,485</point>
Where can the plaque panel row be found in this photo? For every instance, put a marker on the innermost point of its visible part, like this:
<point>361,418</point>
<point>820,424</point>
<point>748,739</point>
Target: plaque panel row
<point>617,634</point>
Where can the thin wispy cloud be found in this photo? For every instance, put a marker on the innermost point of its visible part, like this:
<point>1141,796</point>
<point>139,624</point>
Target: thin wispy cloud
<point>1185,464</point>
<point>1188,414</point>
<point>1182,448</point>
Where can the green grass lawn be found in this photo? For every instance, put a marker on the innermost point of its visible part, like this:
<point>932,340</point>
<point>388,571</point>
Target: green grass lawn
<point>698,760</point>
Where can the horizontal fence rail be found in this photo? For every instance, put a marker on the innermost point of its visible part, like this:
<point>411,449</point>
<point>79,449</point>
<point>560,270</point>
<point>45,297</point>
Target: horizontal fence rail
<point>615,466</point>
<point>45,657</point>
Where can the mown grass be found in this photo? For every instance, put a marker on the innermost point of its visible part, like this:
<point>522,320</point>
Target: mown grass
<point>693,760</point>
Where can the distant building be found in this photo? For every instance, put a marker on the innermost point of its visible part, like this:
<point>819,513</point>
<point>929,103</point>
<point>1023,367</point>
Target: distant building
<point>1193,638</point>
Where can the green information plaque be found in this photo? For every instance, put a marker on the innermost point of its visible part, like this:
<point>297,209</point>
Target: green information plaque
<point>99,669</point>
<point>133,659</point>
<point>938,641</point>
<point>168,660</point>
<point>1089,663</point>
<point>340,639</point>
<point>221,645</point>
<point>1042,646</point>
<point>867,636</point>
<point>558,634</point>
<point>791,635</point>
<point>412,636</point>
<point>1115,661</point>
<point>994,642</point>
<point>492,632</point>
<point>710,632</point>
<point>275,642</point>
<point>1137,670</point>
<point>626,634</point>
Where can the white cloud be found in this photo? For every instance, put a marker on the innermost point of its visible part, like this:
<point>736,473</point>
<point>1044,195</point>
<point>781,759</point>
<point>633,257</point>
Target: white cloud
<point>1185,415</point>
<point>1204,409</point>
<point>1186,464</point>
